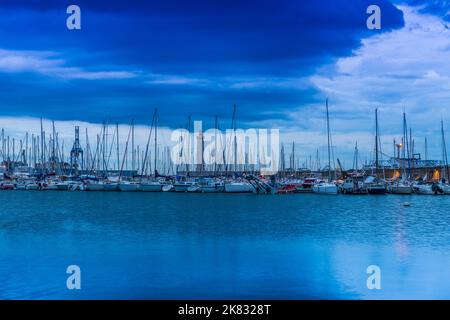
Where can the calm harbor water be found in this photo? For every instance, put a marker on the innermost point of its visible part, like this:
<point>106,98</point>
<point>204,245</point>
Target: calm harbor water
<point>212,246</point>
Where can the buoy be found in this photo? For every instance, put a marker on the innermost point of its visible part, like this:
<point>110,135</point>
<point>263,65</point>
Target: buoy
<point>406,204</point>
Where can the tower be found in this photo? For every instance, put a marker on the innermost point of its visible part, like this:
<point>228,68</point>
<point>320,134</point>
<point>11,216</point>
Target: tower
<point>77,152</point>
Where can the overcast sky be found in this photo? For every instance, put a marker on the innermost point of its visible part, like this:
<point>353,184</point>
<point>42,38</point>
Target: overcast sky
<point>277,60</point>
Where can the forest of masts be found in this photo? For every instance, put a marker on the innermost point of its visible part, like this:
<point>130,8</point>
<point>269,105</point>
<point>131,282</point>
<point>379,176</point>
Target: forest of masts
<point>46,153</point>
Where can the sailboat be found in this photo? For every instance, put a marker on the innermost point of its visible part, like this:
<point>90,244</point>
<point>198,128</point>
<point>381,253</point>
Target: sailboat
<point>443,185</point>
<point>326,187</point>
<point>151,185</point>
<point>375,185</point>
<point>402,186</point>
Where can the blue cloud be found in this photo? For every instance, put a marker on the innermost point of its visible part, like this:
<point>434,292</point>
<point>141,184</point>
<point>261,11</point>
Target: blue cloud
<point>209,45</point>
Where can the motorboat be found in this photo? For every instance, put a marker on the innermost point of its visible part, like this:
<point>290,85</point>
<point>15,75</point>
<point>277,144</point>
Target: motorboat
<point>352,185</point>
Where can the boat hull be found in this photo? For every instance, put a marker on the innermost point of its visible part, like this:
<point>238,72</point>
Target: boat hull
<point>212,189</point>
<point>151,187</point>
<point>400,190</point>
<point>181,187</point>
<point>238,188</point>
<point>62,187</point>
<point>376,190</point>
<point>7,187</point>
<point>111,187</point>
<point>193,189</point>
<point>94,187</point>
<point>129,187</point>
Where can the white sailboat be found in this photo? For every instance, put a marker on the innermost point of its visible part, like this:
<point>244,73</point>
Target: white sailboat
<point>375,185</point>
<point>400,187</point>
<point>326,187</point>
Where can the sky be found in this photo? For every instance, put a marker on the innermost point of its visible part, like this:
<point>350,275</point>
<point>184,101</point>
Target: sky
<point>276,60</point>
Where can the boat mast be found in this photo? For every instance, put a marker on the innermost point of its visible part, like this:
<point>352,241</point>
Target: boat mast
<point>444,152</point>
<point>216,126</point>
<point>188,151</point>
<point>376,142</point>
<point>233,125</point>
<point>132,146</point>
<point>147,156</point>
<point>156,139</point>
<point>117,145</point>
<point>53,146</point>
<point>42,147</point>
<point>329,142</point>
<point>405,143</point>
<point>293,158</point>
